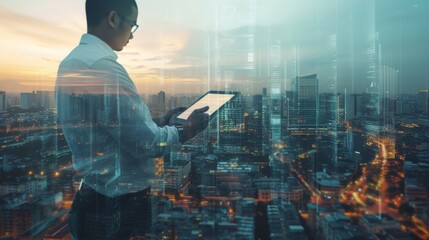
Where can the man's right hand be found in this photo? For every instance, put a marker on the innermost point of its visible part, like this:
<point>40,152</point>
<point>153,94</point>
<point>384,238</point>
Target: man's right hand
<point>196,122</point>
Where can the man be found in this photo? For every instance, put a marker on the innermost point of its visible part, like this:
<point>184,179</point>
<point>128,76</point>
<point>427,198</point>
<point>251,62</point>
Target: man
<point>109,129</point>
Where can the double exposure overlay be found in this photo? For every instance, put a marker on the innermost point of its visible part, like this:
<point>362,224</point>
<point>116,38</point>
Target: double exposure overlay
<point>327,139</point>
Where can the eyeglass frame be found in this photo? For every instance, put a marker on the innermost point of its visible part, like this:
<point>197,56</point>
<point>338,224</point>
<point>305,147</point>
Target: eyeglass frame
<point>131,23</point>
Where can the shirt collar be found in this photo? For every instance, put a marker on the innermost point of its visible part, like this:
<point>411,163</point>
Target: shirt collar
<point>98,43</point>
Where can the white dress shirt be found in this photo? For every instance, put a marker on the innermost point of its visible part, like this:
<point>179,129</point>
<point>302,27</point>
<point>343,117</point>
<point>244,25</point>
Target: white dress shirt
<point>107,126</point>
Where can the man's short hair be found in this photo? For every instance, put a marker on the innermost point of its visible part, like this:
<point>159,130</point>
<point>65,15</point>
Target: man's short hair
<point>96,10</point>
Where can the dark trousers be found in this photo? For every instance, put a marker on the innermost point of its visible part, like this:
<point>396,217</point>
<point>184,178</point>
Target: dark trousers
<point>96,216</point>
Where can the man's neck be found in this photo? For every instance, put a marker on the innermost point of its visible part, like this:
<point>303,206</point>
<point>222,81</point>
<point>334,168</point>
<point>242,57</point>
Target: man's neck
<point>100,34</point>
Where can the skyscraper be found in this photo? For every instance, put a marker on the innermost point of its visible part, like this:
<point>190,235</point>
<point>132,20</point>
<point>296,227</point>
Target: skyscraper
<point>161,102</point>
<point>45,99</point>
<point>265,124</point>
<point>366,61</point>
<point>2,101</point>
<point>275,91</point>
<point>304,115</point>
<point>230,134</point>
<point>28,100</point>
<point>423,101</point>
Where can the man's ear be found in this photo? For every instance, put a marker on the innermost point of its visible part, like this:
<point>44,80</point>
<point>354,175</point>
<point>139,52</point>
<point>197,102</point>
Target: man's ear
<point>112,19</point>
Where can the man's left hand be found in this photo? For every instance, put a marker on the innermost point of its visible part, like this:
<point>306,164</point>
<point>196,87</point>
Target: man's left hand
<point>166,117</point>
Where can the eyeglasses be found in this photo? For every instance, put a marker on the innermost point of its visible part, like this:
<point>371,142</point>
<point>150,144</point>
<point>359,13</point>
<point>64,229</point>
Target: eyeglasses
<point>134,25</point>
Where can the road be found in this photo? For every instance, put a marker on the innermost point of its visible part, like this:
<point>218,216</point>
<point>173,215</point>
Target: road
<point>369,194</point>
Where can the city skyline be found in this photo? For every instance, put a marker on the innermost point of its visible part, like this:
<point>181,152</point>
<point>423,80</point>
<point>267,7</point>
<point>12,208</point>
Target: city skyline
<point>373,164</point>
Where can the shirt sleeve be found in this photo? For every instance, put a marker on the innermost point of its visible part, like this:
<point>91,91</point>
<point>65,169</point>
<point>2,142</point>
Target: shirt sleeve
<point>126,118</point>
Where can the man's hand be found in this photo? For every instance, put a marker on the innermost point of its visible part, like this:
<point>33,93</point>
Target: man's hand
<point>166,117</point>
<point>196,122</point>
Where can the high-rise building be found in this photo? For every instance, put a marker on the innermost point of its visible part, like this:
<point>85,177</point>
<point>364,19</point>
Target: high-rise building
<point>2,101</point>
<point>265,124</point>
<point>303,116</point>
<point>331,120</point>
<point>406,104</point>
<point>366,70</point>
<point>423,101</point>
<point>176,175</point>
<point>253,133</point>
<point>28,100</point>
<point>12,100</point>
<point>161,102</point>
<point>45,99</point>
<point>230,132</point>
<point>234,177</point>
<point>275,91</point>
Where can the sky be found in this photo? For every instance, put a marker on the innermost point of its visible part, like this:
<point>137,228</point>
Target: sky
<point>174,48</point>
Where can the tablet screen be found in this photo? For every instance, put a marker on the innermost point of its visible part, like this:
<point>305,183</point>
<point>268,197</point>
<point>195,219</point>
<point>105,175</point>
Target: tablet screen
<point>213,100</point>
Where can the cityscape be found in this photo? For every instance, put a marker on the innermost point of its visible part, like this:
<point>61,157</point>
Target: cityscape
<point>336,170</point>
<point>328,138</point>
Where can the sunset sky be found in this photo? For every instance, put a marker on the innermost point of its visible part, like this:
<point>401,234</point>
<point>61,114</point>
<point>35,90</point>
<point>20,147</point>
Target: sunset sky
<point>37,34</point>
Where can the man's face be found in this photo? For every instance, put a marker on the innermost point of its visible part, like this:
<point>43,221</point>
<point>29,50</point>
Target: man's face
<point>123,33</point>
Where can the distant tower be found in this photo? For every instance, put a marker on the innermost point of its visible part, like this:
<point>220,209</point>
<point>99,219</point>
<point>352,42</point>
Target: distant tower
<point>231,119</point>
<point>275,91</point>
<point>28,100</point>
<point>265,124</point>
<point>304,115</point>
<point>423,101</point>
<point>2,101</point>
<point>366,61</point>
<point>161,102</point>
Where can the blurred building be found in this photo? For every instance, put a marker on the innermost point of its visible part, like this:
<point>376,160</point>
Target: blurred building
<point>234,177</point>
<point>176,174</point>
<point>3,104</point>
<point>328,185</point>
<point>28,101</point>
<point>28,216</point>
<point>272,189</point>
<point>423,101</point>
<point>161,103</point>
<point>284,223</point>
<point>303,115</point>
<point>229,132</point>
<point>275,90</point>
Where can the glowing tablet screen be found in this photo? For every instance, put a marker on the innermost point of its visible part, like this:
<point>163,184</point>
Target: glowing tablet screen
<point>213,100</point>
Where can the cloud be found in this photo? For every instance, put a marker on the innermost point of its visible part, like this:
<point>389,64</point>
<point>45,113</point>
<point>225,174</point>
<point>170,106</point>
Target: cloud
<point>157,58</point>
<point>38,84</point>
<point>50,59</point>
<point>21,26</point>
<point>129,53</point>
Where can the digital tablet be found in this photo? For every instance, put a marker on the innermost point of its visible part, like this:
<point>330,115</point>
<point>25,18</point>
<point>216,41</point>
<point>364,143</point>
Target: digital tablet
<point>216,100</point>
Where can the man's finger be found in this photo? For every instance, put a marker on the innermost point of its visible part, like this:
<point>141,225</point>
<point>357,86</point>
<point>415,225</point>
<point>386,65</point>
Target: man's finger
<point>180,109</point>
<point>175,110</point>
<point>201,110</point>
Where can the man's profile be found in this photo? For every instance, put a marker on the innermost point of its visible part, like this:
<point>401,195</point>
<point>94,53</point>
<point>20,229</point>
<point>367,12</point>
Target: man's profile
<point>109,129</point>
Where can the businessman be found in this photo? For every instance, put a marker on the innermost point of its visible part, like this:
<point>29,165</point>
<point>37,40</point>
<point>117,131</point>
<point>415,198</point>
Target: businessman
<point>109,129</point>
